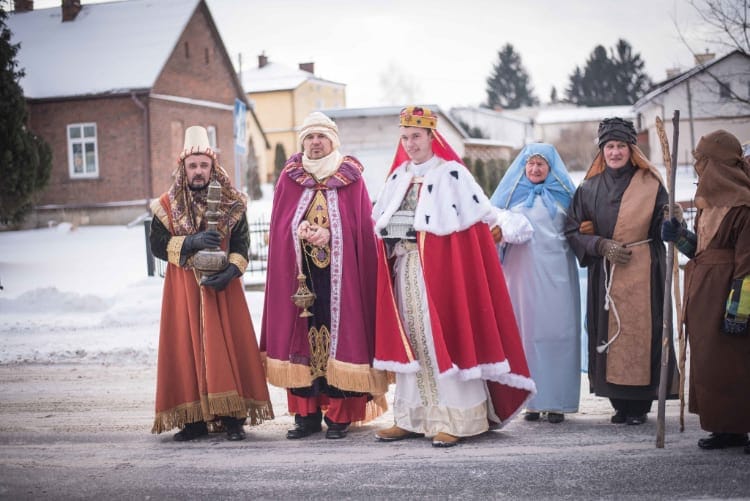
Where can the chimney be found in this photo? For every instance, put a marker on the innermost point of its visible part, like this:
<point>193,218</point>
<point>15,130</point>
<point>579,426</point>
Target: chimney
<point>309,67</point>
<point>673,72</point>
<point>262,60</point>
<point>704,58</point>
<point>70,9</point>
<point>23,5</point>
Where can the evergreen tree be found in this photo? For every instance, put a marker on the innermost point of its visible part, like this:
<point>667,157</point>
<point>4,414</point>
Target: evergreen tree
<point>252,178</point>
<point>553,95</point>
<point>508,86</point>
<point>279,160</point>
<point>631,82</point>
<point>607,80</point>
<point>25,159</point>
<point>475,132</point>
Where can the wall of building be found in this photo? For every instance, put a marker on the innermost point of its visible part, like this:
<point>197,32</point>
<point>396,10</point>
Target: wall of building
<point>120,150</point>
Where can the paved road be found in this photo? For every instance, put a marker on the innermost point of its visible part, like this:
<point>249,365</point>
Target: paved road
<point>82,432</point>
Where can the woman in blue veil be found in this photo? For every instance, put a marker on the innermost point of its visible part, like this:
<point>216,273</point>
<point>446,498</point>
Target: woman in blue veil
<point>542,278</point>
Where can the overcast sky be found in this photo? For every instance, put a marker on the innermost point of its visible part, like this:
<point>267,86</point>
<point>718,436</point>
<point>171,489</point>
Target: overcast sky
<point>443,51</point>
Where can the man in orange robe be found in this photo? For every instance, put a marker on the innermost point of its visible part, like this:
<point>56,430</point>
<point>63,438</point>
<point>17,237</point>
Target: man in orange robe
<point>209,367</point>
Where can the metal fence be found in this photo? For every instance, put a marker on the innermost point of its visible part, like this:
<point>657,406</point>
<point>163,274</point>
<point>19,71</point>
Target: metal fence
<point>257,252</point>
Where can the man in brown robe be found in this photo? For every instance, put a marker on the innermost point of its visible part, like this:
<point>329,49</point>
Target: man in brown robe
<point>717,291</point>
<point>209,367</point>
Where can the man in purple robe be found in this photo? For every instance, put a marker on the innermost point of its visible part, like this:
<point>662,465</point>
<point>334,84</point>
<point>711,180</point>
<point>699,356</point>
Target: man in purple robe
<point>321,230</point>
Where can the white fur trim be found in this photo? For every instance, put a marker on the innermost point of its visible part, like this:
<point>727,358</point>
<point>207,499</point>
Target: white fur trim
<point>390,365</point>
<point>390,196</point>
<point>450,201</point>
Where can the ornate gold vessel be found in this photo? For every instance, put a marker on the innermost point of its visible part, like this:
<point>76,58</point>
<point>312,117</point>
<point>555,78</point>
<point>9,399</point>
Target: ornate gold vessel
<point>304,297</point>
<point>211,261</point>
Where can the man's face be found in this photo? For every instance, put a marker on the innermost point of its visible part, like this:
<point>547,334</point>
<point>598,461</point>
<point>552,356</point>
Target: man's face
<point>616,154</point>
<point>198,170</point>
<point>537,169</point>
<point>417,142</point>
<point>317,145</point>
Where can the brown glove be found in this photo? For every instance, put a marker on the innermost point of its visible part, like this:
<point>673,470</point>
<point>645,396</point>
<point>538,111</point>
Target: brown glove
<point>615,252</point>
<point>497,233</point>
<point>586,228</point>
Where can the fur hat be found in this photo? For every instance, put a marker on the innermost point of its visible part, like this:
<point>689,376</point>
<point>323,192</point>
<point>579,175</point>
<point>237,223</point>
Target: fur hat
<point>616,129</point>
<point>317,122</point>
<point>416,116</point>
<point>196,143</point>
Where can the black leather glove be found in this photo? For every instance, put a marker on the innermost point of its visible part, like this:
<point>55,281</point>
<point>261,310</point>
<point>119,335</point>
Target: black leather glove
<point>220,280</point>
<point>671,230</point>
<point>203,240</point>
<point>615,252</point>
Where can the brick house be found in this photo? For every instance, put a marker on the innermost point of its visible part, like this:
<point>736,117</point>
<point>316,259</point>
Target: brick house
<point>112,87</point>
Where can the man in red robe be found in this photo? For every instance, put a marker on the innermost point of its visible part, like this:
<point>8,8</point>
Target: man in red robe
<point>321,231</point>
<point>209,367</point>
<point>445,323</point>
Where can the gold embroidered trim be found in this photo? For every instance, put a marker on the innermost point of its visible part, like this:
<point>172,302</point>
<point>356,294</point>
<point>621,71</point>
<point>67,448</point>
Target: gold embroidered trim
<point>320,344</point>
<point>356,377</point>
<point>173,249</point>
<point>239,261</point>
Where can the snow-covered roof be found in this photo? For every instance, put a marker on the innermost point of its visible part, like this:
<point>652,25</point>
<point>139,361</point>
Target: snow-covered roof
<point>676,80</point>
<point>582,114</point>
<point>109,47</point>
<point>275,76</point>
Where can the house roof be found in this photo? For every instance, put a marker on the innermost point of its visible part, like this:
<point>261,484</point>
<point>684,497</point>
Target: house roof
<point>379,111</point>
<point>276,76</point>
<point>582,114</point>
<point>110,47</point>
<point>670,83</point>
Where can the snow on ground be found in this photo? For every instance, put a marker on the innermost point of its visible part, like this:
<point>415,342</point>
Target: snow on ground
<point>83,294</point>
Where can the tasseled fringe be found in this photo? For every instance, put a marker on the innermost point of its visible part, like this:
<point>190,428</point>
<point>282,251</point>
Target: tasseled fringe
<point>374,409</point>
<point>177,417</point>
<point>285,374</point>
<point>356,377</point>
<point>222,404</point>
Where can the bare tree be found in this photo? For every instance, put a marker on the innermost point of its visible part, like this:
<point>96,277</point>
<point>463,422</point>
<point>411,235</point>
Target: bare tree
<point>726,27</point>
<point>398,86</point>
<point>726,22</point>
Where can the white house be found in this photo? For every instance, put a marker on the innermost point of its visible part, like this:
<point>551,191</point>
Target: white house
<point>709,97</point>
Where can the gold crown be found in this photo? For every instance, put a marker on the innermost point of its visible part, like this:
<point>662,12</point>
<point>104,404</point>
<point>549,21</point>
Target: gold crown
<point>416,116</point>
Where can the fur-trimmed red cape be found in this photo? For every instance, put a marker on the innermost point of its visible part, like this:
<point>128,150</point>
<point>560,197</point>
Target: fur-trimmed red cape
<point>473,325</point>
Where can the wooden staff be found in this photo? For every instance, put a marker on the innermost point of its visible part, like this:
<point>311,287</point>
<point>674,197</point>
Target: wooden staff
<point>671,166</point>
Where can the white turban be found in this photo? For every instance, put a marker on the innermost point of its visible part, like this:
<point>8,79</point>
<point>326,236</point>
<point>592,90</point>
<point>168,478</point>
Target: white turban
<point>316,122</point>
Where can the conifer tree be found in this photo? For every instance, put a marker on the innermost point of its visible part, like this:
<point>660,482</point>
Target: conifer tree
<point>509,86</point>
<point>25,159</point>
<point>617,78</point>
<point>278,161</point>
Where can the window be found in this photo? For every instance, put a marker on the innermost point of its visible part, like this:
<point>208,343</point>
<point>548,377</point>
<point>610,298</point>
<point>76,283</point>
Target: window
<point>187,51</point>
<point>725,90</point>
<point>83,157</point>
<point>211,129</point>
<point>205,55</point>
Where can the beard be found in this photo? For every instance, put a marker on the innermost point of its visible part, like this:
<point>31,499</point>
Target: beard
<point>198,184</point>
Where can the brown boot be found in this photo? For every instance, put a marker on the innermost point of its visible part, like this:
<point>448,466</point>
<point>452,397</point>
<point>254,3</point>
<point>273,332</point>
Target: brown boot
<point>394,433</point>
<point>444,440</point>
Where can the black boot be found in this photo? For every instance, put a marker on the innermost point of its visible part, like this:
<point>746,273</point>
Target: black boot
<point>336,430</point>
<point>304,426</point>
<point>234,428</point>
<point>191,431</point>
<point>722,440</point>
